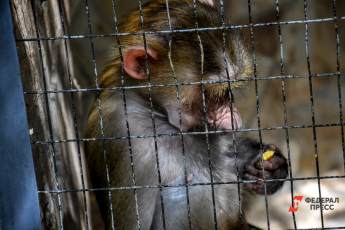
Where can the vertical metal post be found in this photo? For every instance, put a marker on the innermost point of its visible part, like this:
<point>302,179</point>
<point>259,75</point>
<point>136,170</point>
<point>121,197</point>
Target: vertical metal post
<point>19,207</point>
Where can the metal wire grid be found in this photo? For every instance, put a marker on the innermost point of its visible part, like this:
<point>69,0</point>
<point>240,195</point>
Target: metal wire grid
<point>223,27</point>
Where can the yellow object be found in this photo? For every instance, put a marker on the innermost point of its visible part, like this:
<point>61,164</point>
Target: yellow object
<point>267,155</point>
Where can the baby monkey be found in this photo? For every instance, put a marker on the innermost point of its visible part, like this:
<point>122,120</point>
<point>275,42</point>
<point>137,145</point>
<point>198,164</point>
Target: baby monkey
<point>163,126</point>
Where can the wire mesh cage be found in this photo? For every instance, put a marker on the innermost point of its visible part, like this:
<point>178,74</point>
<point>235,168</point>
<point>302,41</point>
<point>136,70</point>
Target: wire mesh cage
<point>293,98</point>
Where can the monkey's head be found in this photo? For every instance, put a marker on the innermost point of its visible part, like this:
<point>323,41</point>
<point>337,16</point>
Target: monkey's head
<point>200,63</point>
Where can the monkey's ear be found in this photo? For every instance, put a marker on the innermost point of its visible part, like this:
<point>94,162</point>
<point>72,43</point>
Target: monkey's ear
<point>209,2</point>
<point>134,61</point>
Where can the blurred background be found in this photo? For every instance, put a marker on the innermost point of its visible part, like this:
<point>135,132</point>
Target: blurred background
<point>279,49</point>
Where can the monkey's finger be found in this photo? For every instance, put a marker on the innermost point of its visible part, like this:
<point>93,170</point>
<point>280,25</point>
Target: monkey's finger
<point>258,188</point>
<point>248,176</point>
<point>265,174</point>
<point>272,164</point>
<point>277,162</point>
<point>270,147</point>
<point>252,170</point>
<point>267,165</point>
<point>258,172</point>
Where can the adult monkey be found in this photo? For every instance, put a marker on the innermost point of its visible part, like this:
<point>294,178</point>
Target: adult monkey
<point>154,117</point>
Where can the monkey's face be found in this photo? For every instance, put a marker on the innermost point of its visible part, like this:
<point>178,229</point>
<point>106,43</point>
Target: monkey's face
<point>220,72</point>
<point>211,105</point>
<point>206,77</point>
<point>206,65</point>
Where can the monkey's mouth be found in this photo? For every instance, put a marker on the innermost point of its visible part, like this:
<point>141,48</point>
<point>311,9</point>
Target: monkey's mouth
<point>221,113</point>
<point>224,117</point>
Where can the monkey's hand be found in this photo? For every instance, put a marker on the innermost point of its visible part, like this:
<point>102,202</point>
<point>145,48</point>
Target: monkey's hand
<point>270,170</point>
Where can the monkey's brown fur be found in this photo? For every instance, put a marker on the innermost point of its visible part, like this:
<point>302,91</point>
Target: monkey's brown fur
<point>185,50</point>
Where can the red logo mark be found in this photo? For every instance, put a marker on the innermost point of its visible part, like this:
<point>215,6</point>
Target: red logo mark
<point>296,201</point>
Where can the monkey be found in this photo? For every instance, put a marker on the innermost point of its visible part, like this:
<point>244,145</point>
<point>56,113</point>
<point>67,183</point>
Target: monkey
<point>163,151</point>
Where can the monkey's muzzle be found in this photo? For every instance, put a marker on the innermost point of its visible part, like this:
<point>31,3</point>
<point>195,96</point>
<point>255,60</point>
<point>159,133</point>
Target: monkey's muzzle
<point>224,116</point>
